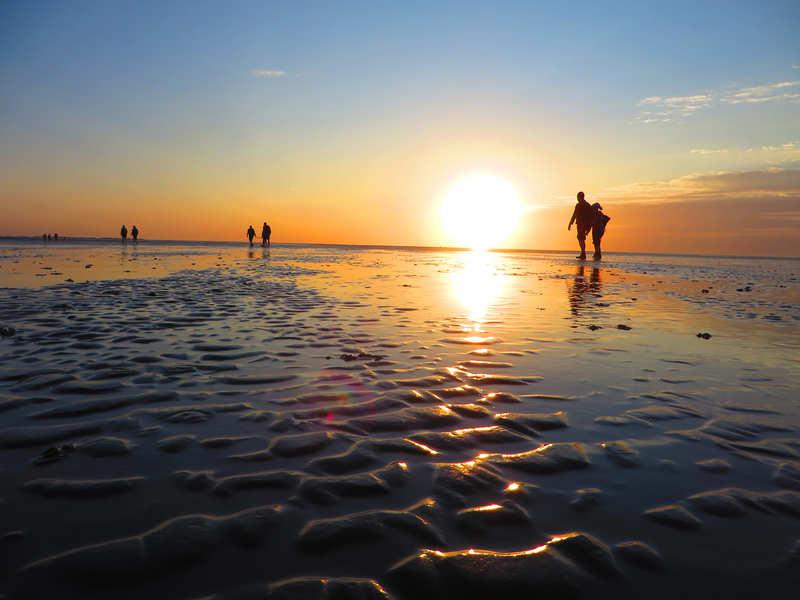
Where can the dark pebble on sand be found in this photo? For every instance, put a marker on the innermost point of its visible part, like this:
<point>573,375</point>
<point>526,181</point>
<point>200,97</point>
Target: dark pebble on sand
<point>52,454</point>
<point>89,266</point>
<point>705,336</point>
<point>7,331</point>
<point>623,327</point>
<point>595,327</point>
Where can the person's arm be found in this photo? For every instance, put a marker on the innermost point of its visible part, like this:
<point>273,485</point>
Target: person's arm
<point>572,220</point>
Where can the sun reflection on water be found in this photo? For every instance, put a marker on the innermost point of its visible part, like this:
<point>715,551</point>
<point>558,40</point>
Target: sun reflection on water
<point>477,284</point>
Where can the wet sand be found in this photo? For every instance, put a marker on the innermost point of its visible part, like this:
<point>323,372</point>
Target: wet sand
<point>330,422</point>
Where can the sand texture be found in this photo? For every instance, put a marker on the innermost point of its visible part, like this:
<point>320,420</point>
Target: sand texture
<point>345,423</point>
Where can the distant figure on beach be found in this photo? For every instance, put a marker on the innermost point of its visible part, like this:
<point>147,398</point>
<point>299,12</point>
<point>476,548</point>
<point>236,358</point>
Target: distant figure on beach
<point>44,237</point>
<point>134,233</point>
<point>266,231</point>
<point>55,236</point>
<point>583,217</point>
<point>49,237</point>
<point>251,233</point>
<point>598,228</point>
<point>123,233</point>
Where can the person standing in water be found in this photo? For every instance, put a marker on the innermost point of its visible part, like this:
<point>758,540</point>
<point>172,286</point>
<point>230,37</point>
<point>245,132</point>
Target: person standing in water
<point>251,233</point>
<point>134,233</point>
<point>266,231</point>
<point>583,217</point>
<point>598,228</point>
<point>123,232</point>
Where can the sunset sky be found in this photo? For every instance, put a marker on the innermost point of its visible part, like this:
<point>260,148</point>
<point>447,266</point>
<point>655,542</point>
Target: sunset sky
<point>349,122</point>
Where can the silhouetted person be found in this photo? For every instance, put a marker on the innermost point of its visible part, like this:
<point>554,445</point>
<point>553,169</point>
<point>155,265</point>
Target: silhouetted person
<point>583,217</point>
<point>55,236</point>
<point>44,237</point>
<point>266,231</point>
<point>598,228</point>
<point>49,237</point>
<point>251,233</point>
<point>123,233</point>
<point>134,233</point>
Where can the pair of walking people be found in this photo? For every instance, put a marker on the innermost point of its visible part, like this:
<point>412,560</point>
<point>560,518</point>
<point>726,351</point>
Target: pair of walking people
<point>589,217</point>
<point>123,233</point>
<point>266,232</point>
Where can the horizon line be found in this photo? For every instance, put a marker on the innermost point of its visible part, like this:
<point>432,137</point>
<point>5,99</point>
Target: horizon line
<point>389,247</point>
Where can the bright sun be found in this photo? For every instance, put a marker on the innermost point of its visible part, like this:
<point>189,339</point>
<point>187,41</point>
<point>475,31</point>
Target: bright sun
<point>480,211</point>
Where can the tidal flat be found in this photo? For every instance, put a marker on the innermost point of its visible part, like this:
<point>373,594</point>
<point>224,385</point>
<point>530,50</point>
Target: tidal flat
<point>321,422</point>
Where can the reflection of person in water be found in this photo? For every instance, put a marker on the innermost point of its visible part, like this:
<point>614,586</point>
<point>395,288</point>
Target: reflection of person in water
<point>251,233</point>
<point>583,290</point>
<point>134,233</point>
<point>266,231</point>
<point>583,217</point>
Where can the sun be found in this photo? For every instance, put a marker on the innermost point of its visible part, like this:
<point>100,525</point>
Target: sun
<point>480,211</point>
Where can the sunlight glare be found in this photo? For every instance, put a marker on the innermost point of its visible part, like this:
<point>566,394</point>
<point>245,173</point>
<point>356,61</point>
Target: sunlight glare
<point>480,211</point>
<point>476,285</point>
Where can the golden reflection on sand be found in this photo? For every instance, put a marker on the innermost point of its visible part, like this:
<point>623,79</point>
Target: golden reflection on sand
<point>477,284</point>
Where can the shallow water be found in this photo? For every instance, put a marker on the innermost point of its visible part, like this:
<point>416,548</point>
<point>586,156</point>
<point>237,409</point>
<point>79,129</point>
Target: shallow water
<point>379,402</point>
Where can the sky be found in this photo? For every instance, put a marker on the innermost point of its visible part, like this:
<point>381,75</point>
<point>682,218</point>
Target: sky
<point>349,122</point>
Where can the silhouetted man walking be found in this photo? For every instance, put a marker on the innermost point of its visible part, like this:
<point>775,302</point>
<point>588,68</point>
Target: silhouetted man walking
<point>251,233</point>
<point>123,233</point>
<point>583,217</point>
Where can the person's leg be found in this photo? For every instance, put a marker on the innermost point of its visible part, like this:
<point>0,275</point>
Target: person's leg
<point>582,242</point>
<point>596,243</point>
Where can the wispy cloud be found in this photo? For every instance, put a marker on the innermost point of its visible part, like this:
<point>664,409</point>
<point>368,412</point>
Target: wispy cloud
<point>772,182</point>
<point>707,151</point>
<point>784,90</point>
<point>785,153</point>
<point>268,73</point>
<point>662,109</point>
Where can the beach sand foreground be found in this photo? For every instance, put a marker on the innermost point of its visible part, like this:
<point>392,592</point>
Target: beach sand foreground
<point>201,421</point>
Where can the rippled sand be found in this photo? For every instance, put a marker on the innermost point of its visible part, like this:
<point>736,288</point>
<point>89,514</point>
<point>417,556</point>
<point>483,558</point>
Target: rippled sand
<point>317,422</point>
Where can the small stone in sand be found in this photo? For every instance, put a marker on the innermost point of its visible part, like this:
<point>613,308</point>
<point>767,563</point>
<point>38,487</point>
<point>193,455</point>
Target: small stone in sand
<point>705,336</point>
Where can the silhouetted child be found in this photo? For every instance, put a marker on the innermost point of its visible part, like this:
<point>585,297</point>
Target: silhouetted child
<point>123,232</point>
<point>251,233</point>
<point>266,231</point>
<point>598,228</point>
<point>134,233</point>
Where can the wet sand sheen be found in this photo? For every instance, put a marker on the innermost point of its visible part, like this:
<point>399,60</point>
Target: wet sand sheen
<point>340,423</point>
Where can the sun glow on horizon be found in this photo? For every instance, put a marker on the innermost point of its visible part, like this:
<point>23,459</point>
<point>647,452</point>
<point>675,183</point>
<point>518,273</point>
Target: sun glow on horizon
<point>480,211</point>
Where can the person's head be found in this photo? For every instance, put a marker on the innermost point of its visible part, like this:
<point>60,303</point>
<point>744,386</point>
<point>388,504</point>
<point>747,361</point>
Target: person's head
<point>580,197</point>
<point>597,206</point>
